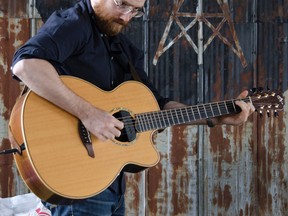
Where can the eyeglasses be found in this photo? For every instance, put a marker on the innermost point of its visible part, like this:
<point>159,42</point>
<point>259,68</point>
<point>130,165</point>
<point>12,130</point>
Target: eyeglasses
<point>125,9</point>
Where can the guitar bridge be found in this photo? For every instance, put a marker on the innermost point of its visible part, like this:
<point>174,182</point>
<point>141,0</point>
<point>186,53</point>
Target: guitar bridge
<point>86,139</point>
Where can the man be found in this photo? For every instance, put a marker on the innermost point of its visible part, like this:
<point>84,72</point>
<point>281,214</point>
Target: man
<point>81,41</point>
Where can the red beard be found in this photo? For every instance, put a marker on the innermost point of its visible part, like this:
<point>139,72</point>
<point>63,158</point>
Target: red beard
<point>107,24</point>
<point>110,27</point>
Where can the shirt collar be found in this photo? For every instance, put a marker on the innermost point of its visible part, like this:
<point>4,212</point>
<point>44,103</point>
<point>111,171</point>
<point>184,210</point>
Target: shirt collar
<point>89,6</point>
<point>115,39</point>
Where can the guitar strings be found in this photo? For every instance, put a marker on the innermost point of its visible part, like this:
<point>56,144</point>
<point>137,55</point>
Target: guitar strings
<point>179,111</point>
<point>150,120</point>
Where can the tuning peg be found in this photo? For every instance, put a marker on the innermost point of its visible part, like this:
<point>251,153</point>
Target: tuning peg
<point>268,113</point>
<point>261,114</point>
<point>276,114</point>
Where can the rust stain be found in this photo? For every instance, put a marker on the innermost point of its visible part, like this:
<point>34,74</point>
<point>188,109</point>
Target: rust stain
<point>264,176</point>
<point>13,8</point>
<point>5,160</point>
<point>220,147</point>
<point>249,210</point>
<point>154,178</point>
<point>18,9</point>
<point>265,198</point>
<point>6,176</point>
<point>4,8</point>
<point>133,182</point>
<point>271,159</point>
<point>179,146</point>
<point>12,34</point>
<point>180,199</point>
<point>224,197</point>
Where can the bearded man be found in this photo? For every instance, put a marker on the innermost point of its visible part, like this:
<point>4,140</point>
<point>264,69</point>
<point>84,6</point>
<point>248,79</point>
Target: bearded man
<point>85,41</point>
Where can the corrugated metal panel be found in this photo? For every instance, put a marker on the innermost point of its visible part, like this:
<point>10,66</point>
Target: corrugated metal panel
<point>228,157</point>
<point>220,171</point>
<point>13,32</point>
<point>14,8</point>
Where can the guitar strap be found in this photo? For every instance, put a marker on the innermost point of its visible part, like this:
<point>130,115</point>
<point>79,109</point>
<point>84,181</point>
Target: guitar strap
<point>24,90</point>
<point>117,51</point>
<point>134,73</point>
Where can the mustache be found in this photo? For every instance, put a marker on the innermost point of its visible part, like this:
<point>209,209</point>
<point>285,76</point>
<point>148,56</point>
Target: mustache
<point>121,22</point>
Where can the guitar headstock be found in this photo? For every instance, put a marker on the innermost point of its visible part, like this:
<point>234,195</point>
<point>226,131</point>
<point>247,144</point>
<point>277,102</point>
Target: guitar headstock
<point>269,101</point>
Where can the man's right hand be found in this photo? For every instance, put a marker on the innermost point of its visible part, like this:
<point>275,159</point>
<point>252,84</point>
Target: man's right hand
<point>102,124</point>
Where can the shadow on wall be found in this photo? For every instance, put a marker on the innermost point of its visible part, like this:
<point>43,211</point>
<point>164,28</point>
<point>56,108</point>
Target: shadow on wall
<point>47,7</point>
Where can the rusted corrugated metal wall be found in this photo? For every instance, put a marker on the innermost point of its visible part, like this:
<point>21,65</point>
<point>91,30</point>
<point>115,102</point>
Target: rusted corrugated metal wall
<point>202,50</point>
<point>215,50</point>
<point>14,31</point>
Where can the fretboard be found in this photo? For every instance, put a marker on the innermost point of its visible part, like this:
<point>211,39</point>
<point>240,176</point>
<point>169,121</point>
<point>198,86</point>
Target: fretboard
<point>165,118</point>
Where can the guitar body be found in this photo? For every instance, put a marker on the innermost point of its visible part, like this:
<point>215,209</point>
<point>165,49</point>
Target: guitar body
<point>55,164</point>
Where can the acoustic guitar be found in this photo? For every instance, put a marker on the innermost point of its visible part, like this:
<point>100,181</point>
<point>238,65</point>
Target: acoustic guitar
<point>60,161</point>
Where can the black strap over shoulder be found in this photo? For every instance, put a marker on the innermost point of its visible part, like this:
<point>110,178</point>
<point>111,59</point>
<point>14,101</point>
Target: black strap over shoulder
<point>119,54</point>
<point>24,90</point>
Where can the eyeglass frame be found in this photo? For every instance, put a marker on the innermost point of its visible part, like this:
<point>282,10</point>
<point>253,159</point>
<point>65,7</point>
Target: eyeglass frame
<point>126,9</point>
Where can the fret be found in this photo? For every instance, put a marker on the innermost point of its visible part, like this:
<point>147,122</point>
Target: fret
<point>163,123</point>
<point>199,113</point>
<point>231,107</point>
<point>146,118</point>
<point>176,114</point>
<point>202,111</point>
<point>206,116</point>
<point>219,108</point>
<point>211,110</point>
<point>227,111</point>
<point>234,107</point>
<point>237,109</point>
<point>183,119</point>
<point>139,123</point>
<point>196,112</point>
<point>194,118</point>
<point>171,115</point>
<point>216,110</point>
<point>141,116</point>
<point>151,120</point>
<point>159,120</point>
<point>189,120</point>
<point>164,119</point>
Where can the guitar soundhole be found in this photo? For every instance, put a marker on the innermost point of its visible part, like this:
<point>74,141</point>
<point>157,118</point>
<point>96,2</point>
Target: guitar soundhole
<point>128,133</point>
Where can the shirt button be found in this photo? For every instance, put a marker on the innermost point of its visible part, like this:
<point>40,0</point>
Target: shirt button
<point>112,58</point>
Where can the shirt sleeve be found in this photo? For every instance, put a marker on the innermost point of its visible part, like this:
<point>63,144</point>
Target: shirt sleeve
<point>56,40</point>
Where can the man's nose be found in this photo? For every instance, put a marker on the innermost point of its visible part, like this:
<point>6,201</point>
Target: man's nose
<point>126,17</point>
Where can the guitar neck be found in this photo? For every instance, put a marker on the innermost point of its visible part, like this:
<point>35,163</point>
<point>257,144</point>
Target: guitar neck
<point>165,118</point>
